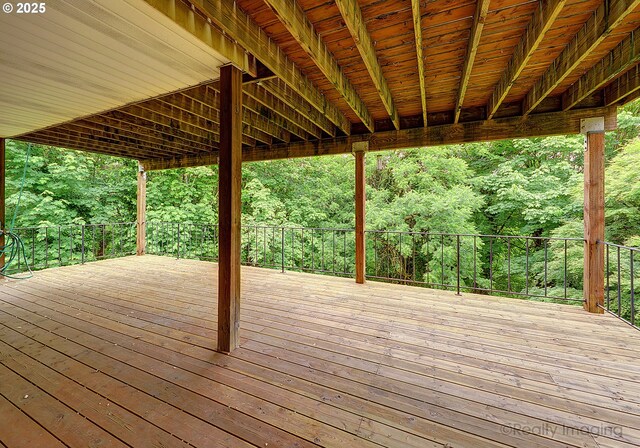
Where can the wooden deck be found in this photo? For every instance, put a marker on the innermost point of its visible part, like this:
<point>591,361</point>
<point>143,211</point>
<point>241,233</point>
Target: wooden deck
<point>119,353</point>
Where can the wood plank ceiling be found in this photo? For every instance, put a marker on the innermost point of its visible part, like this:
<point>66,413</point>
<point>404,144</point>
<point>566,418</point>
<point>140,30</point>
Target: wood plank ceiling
<point>322,70</point>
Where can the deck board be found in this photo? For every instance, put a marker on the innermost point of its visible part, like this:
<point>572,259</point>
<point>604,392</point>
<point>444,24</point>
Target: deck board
<point>124,350</point>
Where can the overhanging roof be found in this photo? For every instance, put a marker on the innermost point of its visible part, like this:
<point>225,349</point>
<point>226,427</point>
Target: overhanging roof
<point>320,75</point>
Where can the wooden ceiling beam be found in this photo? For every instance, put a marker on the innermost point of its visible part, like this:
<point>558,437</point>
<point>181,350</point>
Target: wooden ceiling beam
<point>236,24</point>
<point>153,132</point>
<point>210,96</point>
<point>543,18</point>
<point>295,20</point>
<point>417,31</point>
<point>188,110</point>
<point>352,16</point>
<point>482,8</point>
<point>622,87</point>
<point>624,56</point>
<point>197,24</point>
<point>267,112</point>
<point>282,91</point>
<point>555,123</point>
<point>64,140</point>
<point>603,21</point>
<point>77,133</point>
<point>67,144</point>
<point>264,97</point>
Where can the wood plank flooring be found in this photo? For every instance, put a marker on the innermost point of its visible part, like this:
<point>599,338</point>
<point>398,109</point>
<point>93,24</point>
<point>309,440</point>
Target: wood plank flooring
<point>121,353</point>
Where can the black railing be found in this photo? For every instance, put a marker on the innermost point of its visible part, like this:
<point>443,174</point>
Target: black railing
<point>490,264</point>
<point>50,246</point>
<point>493,264</point>
<point>622,282</point>
<point>328,251</point>
<point>518,266</point>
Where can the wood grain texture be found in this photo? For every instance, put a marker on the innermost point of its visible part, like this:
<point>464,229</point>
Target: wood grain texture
<point>594,222</point>
<point>229,207</point>
<point>624,56</point>
<point>541,21</point>
<point>296,21</point>
<point>622,87</point>
<point>128,344</point>
<point>360,218</point>
<point>241,27</point>
<point>601,23</point>
<point>354,21</point>
<point>482,8</point>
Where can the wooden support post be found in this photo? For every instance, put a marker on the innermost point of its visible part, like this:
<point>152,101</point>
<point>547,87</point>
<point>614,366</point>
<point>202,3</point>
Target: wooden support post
<point>593,128</point>
<point>229,189</point>
<point>141,227</point>
<point>2,198</point>
<point>361,181</point>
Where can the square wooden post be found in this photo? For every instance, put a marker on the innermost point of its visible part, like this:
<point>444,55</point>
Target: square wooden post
<point>229,190</point>
<point>594,214</point>
<point>360,199</point>
<point>2,198</point>
<point>141,217</point>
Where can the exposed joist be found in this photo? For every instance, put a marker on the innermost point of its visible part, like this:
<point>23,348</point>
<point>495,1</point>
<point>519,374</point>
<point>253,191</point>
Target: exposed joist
<point>117,150</point>
<point>482,7</point>
<point>226,15</point>
<point>542,19</point>
<point>417,31</point>
<point>555,123</point>
<point>194,109</point>
<point>211,96</point>
<point>623,87</point>
<point>275,104</point>
<point>285,93</point>
<point>151,133</point>
<point>353,19</point>
<point>624,56</point>
<point>603,21</point>
<point>196,24</point>
<point>130,145</point>
<point>295,20</point>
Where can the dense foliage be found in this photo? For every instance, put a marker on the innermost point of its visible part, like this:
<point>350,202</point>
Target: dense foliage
<point>530,187</point>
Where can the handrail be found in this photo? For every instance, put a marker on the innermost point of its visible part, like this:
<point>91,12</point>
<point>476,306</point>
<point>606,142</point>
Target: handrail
<point>537,267</point>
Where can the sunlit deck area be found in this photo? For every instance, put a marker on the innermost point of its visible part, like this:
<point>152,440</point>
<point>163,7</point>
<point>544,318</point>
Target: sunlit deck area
<point>121,352</point>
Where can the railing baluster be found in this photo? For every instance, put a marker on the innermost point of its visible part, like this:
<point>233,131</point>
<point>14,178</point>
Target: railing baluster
<point>526,269</point>
<point>632,297</point>
<point>458,256</point>
<point>619,286</point>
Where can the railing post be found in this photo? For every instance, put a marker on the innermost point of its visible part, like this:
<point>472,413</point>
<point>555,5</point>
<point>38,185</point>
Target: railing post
<point>141,220</point>
<point>282,248</point>
<point>178,254</point>
<point>593,128</point>
<point>82,245</point>
<point>359,150</point>
<point>458,264</point>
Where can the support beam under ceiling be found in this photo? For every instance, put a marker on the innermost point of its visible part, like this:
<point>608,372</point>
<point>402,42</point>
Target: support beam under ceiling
<point>624,86</point>
<point>603,21</point>
<point>482,8</point>
<point>624,56</point>
<point>417,31</point>
<point>542,19</point>
<point>554,123</point>
<point>238,25</point>
<point>295,20</point>
<point>353,19</point>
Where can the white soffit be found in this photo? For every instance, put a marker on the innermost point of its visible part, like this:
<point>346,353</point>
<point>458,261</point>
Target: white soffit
<point>82,57</point>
